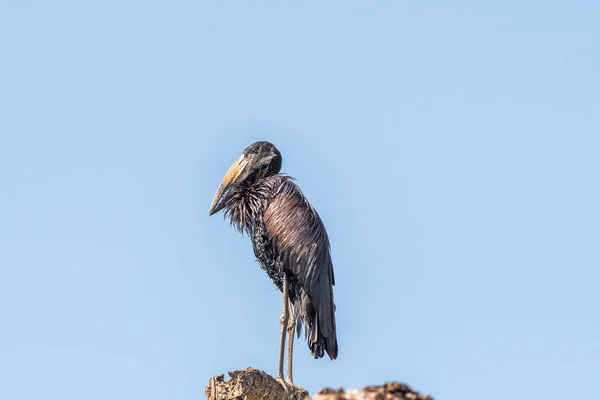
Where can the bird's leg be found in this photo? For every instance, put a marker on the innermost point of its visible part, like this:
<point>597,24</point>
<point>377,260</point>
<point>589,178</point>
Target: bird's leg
<point>284,321</point>
<point>290,344</point>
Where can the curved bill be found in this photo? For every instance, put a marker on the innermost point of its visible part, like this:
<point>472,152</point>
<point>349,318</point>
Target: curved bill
<point>231,176</point>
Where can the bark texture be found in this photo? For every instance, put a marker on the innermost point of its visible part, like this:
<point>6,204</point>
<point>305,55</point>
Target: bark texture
<point>387,391</point>
<point>254,384</point>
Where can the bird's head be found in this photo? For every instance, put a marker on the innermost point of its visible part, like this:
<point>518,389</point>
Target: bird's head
<point>258,161</point>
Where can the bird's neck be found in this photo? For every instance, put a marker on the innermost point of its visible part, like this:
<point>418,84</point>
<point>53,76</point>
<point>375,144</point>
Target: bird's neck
<point>248,203</point>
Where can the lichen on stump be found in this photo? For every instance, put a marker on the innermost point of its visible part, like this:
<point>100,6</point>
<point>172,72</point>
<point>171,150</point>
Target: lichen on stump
<point>252,384</point>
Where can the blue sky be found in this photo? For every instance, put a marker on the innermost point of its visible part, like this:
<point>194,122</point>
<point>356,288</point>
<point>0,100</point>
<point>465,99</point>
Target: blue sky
<point>452,152</point>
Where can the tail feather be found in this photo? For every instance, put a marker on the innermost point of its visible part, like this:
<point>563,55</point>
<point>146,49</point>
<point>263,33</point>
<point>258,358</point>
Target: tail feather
<point>320,339</point>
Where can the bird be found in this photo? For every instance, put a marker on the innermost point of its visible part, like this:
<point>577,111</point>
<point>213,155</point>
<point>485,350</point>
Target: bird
<point>290,243</point>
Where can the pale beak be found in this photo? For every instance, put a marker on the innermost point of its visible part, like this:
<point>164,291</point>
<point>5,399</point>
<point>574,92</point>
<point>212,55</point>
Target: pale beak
<point>231,176</point>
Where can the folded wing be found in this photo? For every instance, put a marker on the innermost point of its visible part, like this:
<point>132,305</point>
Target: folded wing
<point>302,245</point>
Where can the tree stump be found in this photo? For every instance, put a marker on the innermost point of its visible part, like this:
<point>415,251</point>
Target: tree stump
<point>252,384</point>
<point>387,391</point>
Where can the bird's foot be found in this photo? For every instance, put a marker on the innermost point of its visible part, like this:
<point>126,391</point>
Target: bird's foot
<point>282,382</point>
<point>287,382</point>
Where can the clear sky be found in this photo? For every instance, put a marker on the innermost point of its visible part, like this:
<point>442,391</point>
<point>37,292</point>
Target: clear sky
<point>453,153</point>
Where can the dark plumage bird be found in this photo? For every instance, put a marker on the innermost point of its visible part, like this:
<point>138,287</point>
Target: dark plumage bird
<point>290,243</point>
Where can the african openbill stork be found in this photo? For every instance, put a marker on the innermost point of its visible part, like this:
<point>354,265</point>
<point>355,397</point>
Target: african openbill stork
<point>290,243</point>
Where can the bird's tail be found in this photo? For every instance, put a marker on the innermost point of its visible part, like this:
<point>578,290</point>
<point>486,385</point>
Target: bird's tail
<point>319,326</point>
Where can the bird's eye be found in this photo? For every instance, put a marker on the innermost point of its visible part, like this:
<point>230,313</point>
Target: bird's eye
<point>252,152</point>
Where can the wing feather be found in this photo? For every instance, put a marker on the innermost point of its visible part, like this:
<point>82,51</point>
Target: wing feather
<point>299,237</point>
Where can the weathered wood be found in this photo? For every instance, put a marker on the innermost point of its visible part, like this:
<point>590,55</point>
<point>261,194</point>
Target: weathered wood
<point>252,384</point>
<point>387,391</point>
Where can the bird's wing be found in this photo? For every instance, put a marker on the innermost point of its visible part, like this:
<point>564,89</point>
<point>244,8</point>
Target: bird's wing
<point>301,241</point>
